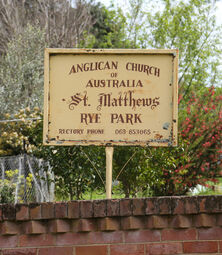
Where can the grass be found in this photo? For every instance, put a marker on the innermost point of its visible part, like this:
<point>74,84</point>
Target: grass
<point>95,195</point>
<point>216,189</point>
<point>116,194</point>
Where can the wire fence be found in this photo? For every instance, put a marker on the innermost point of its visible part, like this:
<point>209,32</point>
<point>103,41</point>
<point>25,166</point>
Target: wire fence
<point>32,179</point>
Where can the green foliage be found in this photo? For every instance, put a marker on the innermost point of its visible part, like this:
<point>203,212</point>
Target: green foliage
<point>21,71</point>
<point>202,127</point>
<point>135,23</point>
<point>130,167</point>
<point>145,174</point>
<point>108,30</point>
<point>22,135</point>
<point>6,192</point>
<point>191,27</point>
<point>175,171</point>
<point>74,170</point>
<point>8,186</point>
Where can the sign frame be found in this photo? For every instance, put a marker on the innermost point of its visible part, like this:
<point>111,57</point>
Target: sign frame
<point>171,140</point>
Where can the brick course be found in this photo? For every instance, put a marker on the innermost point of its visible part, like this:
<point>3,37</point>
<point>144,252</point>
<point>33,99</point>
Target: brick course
<point>157,225</point>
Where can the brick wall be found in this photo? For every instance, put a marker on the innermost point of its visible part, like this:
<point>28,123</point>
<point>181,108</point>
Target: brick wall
<point>162,225</point>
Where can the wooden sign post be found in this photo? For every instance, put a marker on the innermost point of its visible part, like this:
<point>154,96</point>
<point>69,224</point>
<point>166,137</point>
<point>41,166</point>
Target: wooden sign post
<point>109,167</point>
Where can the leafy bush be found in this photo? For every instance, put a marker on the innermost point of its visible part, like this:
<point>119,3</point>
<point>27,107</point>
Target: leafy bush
<point>8,186</point>
<point>175,171</point>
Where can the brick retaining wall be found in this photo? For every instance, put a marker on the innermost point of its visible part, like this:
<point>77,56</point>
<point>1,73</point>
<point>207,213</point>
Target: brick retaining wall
<point>161,225</point>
